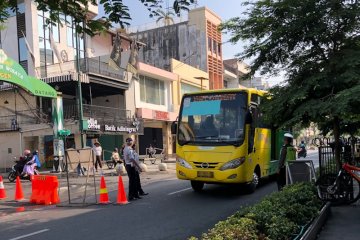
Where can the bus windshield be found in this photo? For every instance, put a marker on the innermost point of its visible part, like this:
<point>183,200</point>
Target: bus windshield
<point>216,118</point>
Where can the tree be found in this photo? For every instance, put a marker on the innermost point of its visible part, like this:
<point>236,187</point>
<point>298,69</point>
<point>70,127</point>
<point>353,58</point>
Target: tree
<point>116,12</point>
<point>317,43</point>
<point>166,17</point>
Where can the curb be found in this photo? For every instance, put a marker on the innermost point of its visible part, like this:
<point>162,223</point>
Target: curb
<point>316,225</point>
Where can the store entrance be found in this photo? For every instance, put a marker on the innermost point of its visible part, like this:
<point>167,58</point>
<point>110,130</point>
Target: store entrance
<point>152,136</point>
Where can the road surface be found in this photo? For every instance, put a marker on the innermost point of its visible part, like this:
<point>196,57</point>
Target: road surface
<point>171,211</point>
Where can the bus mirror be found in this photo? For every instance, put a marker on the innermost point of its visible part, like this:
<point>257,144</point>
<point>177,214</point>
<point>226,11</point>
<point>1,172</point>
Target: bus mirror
<point>173,127</point>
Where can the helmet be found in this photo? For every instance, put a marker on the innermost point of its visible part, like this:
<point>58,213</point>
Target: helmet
<point>288,135</point>
<point>27,152</point>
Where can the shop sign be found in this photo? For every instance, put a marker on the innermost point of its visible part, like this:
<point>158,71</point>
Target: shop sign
<point>133,128</point>
<point>159,115</point>
<point>93,124</point>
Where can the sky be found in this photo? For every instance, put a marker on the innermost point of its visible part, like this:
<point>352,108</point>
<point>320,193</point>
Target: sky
<point>225,9</point>
<point>233,8</point>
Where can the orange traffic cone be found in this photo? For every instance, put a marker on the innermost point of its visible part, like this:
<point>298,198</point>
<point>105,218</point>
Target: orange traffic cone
<point>121,197</point>
<point>2,189</point>
<point>19,195</point>
<point>104,196</point>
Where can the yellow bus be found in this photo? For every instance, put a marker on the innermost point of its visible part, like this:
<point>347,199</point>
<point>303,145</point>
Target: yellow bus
<point>220,138</point>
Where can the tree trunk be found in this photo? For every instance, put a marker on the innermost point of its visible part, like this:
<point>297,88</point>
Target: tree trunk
<point>336,131</point>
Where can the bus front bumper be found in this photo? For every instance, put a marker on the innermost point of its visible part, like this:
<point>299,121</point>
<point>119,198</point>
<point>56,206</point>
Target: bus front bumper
<point>215,176</point>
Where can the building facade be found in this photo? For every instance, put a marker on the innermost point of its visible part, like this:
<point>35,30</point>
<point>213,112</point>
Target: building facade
<point>50,53</point>
<point>196,42</point>
<point>150,96</point>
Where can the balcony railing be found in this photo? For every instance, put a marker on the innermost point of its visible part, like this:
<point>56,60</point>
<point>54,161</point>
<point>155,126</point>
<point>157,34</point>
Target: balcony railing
<point>98,112</point>
<point>96,65</point>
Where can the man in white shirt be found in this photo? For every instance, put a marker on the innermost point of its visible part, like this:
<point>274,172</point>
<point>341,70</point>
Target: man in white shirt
<point>98,154</point>
<point>130,164</point>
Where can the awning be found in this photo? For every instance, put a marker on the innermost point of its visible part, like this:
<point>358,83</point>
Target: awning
<point>12,72</point>
<point>84,78</point>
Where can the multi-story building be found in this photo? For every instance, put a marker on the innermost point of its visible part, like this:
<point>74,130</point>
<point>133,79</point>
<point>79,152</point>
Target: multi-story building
<point>234,72</point>
<point>150,95</point>
<point>196,42</point>
<point>102,86</point>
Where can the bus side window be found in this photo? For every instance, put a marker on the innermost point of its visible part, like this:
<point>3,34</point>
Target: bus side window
<point>250,120</point>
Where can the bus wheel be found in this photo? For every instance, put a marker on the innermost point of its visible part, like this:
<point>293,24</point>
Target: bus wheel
<point>253,184</point>
<point>197,186</point>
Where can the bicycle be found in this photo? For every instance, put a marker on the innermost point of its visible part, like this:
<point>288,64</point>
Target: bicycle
<point>340,188</point>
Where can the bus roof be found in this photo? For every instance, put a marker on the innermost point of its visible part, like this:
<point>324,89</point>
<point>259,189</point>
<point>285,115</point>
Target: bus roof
<point>229,90</point>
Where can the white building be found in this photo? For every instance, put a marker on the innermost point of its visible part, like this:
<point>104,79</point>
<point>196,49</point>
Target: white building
<point>234,72</point>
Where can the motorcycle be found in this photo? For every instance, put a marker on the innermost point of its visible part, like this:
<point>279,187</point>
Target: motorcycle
<point>15,172</point>
<point>302,153</point>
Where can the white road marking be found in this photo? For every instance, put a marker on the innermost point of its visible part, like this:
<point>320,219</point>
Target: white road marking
<point>30,234</point>
<point>183,190</point>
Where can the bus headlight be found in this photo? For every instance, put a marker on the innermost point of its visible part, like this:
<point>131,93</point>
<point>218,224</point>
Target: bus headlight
<point>184,163</point>
<point>233,164</point>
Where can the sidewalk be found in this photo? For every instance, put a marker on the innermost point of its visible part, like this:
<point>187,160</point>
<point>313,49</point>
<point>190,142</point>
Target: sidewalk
<point>343,223</point>
<point>77,185</point>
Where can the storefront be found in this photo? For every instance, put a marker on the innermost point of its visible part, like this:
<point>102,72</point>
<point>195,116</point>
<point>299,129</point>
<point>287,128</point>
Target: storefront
<point>111,133</point>
<point>157,130</point>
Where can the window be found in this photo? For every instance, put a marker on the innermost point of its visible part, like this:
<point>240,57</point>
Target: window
<point>152,90</point>
<point>21,7</point>
<point>187,88</point>
<point>70,32</point>
<point>219,49</point>
<point>214,47</point>
<point>226,84</point>
<point>46,52</point>
<point>71,37</point>
<point>213,118</point>
<point>209,43</point>
<point>22,50</point>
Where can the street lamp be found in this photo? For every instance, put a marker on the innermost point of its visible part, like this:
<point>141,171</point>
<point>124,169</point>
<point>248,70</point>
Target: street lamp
<point>201,79</point>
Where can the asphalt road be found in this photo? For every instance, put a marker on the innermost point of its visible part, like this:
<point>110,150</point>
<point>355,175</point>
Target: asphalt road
<point>171,211</point>
<point>312,155</point>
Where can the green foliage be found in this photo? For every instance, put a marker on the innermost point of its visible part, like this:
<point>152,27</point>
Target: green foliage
<point>317,43</point>
<point>233,228</point>
<point>116,12</point>
<point>278,216</point>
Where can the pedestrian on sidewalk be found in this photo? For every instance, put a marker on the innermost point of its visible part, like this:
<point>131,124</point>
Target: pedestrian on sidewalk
<point>130,165</point>
<point>284,156</point>
<point>138,171</point>
<point>98,154</point>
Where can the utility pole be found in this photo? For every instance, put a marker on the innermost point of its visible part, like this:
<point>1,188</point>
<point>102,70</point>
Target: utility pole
<point>79,88</point>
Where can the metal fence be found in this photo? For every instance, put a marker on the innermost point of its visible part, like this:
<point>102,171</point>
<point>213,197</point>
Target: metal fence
<point>349,152</point>
<point>96,65</point>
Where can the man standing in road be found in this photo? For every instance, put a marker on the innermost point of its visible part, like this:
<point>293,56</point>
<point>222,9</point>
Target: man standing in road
<point>130,164</point>
<point>285,155</point>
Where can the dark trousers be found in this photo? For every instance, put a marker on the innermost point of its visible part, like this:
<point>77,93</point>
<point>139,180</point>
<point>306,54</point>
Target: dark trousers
<point>138,183</point>
<point>98,161</point>
<point>281,178</point>
<point>133,191</point>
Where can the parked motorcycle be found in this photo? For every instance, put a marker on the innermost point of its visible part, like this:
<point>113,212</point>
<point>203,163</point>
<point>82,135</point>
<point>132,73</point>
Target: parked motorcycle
<point>16,170</point>
<point>302,153</point>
